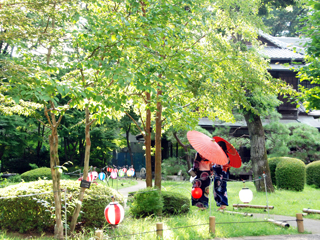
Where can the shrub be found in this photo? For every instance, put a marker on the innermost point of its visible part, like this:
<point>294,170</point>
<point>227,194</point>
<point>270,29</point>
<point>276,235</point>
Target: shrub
<point>273,162</point>
<point>313,173</point>
<point>291,174</point>
<point>35,174</point>
<point>174,203</point>
<point>36,212</point>
<point>146,202</point>
<point>15,179</point>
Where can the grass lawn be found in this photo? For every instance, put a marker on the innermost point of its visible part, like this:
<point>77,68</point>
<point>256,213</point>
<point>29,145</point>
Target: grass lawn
<point>195,224</point>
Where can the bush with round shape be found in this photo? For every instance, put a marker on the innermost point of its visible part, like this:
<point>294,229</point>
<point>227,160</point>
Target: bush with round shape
<point>313,173</point>
<point>34,213</point>
<point>273,162</point>
<point>146,202</point>
<point>35,174</point>
<point>291,174</point>
<point>174,203</point>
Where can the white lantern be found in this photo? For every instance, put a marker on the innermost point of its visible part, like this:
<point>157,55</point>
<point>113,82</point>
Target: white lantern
<point>245,195</point>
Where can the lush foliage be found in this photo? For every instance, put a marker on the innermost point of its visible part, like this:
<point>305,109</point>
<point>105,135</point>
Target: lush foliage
<point>146,202</point>
<point>36,174</point>
<point>313,173</point>
<point>311,73</point>
<point>291,174</point>
<point>286,21</point>
<point>293,140</point>
<point>36,212</point>
<point>172,166</point>
<point>174,203</point>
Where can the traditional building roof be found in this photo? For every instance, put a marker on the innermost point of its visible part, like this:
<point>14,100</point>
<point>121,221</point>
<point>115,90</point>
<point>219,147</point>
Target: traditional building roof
<point>282,48</point>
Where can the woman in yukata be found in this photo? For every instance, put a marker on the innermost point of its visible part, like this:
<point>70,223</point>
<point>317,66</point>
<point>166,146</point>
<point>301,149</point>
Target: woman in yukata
<point>202,170</point>
<point>221,175</point>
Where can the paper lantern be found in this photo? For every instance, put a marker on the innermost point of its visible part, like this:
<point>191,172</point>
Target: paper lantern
<point>113,174</point>
<point>245,195</point>
<point>102,176</point>
<point>124,170</point>
<point>196,192</point>
<point>121,173</point>
<point>130,172</point>
<point>114,213</point>
<point>95,175</point>
<point>90,177</point>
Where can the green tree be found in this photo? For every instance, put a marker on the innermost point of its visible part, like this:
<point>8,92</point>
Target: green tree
<point>286,21</point>
<point>310,72</point>
<point>37,29</point>
<point>293,140</point>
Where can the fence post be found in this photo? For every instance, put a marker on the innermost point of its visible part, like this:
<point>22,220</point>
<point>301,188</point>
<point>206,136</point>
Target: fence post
<point>160,229</point>
<point>299,220</point>
<point>99,235</point>
<point>212,224</point>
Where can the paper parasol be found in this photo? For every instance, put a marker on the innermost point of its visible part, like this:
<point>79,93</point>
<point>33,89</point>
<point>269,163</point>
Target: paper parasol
<point>234,157</point>
<point>207,147</point>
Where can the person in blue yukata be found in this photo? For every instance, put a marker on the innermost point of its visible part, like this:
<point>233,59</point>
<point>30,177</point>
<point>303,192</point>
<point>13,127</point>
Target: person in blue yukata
<point>221,176</point>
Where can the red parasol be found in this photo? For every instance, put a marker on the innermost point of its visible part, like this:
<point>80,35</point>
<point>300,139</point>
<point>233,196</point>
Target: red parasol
<point>235,159</point>
<point>207,147</point>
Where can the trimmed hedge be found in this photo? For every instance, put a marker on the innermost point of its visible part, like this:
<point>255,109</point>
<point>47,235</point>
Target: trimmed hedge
<point>35,174</point>
<point>174,203</point>
<point>313,173</point>
<point>291,174</point>
<point>273,162</point>
<point>146,202</point>
<point>35,212</point>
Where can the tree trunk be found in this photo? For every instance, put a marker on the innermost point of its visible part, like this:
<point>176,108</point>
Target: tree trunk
<point>185,148</point>
<point>258,152</point>
<point>157,171</point>
<point>54,164</point>
<point>85,171</point>
<point>148,145</point>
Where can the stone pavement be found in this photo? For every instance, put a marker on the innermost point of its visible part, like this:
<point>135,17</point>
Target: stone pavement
<point>310,225</point>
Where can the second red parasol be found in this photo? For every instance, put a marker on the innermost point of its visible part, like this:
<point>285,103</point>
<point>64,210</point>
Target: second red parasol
<point>235,159</point>
<point>207,147</point>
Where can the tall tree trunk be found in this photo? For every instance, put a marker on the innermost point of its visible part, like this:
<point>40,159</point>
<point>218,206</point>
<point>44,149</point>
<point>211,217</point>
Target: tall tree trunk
<point>157,171</point>
<point>147,143</point>
<point>258,152</point>
<point>54,165</point>
<point>85,171</point>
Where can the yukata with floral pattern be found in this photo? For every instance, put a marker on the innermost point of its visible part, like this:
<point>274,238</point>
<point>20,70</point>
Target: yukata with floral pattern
<point>203,170</point>
<point>221,176</point>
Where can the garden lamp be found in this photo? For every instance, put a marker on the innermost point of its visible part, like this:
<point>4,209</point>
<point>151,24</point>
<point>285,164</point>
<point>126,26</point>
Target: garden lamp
<point>245,194</point>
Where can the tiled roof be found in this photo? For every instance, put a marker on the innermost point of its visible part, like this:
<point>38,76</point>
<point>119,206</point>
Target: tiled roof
<point>281,53</point>
<point>286,48</point>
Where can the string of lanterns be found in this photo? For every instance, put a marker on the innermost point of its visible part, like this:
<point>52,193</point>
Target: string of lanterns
<point>112,172</point>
